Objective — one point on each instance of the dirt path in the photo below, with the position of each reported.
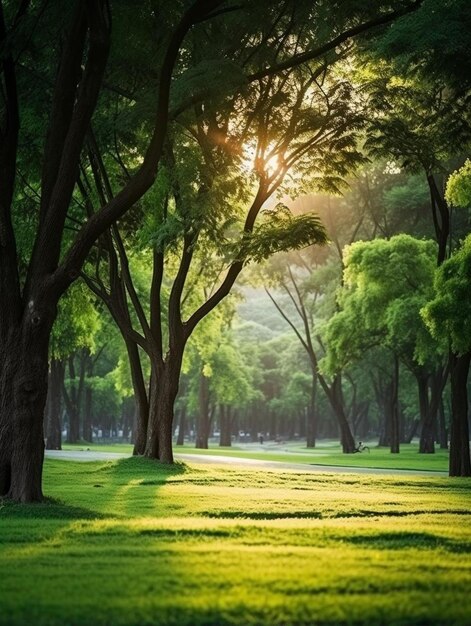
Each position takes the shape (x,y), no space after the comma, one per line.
(90,455)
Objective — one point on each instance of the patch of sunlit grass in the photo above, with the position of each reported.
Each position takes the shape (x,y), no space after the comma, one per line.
(135,542)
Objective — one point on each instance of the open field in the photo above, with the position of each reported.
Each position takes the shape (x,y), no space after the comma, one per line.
(326,453)
(129,542)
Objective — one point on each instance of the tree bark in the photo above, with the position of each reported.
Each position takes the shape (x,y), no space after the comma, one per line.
(164,389)
(460,463)
(23,389)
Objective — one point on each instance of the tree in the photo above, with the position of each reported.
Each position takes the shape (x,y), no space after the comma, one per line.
(74,330)
(29,297)
(385,285)
(448,316)
(304,293)
(29,293)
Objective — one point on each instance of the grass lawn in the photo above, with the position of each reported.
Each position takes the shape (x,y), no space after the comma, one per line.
(326,453)
(130,542)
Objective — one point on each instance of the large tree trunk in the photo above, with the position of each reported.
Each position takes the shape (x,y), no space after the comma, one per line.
(23,388)
(53,422)
(164,389)
(460,464)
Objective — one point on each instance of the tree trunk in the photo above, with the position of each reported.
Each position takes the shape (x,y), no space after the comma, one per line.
(53,422)
(443,433)
(427,445)
(140,398)
(23,387)
(385,427)
(225,438)
(87,427)
(181,427)
(72,399)
(395,435)
(311,422)
(460,464)
(203,424)
(346,437)
(164,389)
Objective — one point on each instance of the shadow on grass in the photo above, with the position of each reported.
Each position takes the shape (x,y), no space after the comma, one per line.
(106,481)
(396,513)
(49,508)
(263,515)
(404,540)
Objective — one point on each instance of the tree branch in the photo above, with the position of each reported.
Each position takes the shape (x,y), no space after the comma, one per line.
(315,53)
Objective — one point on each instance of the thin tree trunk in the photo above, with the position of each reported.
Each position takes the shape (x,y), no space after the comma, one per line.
(426,445)
(53,422)
(226,426)
(87,426)
(87,415)
(442,427)
(395,409)
(181,427)
(311,422)
(460,463)
(140,397)
(72,403)
(203,423)
(338,405)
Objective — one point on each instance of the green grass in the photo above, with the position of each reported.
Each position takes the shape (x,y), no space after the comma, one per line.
(130,542)
(324,454)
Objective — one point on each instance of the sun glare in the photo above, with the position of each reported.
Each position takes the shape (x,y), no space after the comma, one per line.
(253,162)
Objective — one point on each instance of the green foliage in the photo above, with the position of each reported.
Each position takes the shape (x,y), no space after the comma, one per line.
(210,80)
(417,123)
(77,323)
(385,285)
(448,314)
(435,40)
(280,231)
(458,186)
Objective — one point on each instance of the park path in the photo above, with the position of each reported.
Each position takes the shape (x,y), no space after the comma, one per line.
(91,455)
